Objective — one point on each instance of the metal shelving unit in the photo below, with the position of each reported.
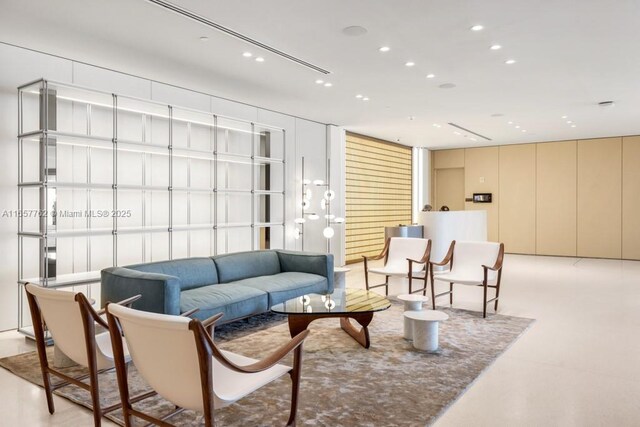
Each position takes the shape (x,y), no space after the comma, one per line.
(106,180)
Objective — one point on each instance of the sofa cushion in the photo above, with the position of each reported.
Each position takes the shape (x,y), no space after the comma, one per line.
(233,300)
(192,272)
(241,265)
(284,286)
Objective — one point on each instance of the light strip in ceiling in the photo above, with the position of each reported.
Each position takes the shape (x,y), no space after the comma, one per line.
(201,19)
(469,131)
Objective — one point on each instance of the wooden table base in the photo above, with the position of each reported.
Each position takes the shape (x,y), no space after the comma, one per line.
(299,322)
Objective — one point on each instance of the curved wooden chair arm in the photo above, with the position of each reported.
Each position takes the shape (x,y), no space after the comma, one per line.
(125,302)
(190,312)
(498,265)
(448,257)
(385,251)
(263,364)
(425,256)
(212,320)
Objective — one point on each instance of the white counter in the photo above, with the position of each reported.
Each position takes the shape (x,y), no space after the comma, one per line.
(443,227)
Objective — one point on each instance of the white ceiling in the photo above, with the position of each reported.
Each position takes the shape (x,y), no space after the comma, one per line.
(571,54)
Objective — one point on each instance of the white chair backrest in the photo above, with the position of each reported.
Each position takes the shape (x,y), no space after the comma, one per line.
(469,257)
(401,248)
(164,351)
(61,313)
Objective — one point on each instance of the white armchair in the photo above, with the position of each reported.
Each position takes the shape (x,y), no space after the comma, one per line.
(474,264)
(178,358)
(71,320)
(403,257)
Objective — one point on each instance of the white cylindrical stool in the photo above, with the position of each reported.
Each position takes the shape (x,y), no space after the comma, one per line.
(425,328)
(412,302)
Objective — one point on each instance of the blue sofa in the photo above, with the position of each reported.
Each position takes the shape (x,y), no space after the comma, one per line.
(238,285)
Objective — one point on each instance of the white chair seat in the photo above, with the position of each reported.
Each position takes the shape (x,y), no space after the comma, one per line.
(461,279)
(389,271)
(104,351)
(231,386)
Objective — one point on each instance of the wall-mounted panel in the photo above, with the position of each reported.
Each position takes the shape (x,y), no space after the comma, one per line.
(600,198)
(481,176)
(444,159)
(517,208)
(556,183)
(631,197)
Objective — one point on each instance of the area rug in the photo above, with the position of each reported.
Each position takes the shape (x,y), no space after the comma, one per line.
(343,384)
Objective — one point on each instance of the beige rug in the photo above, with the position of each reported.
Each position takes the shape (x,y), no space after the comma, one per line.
(343,384)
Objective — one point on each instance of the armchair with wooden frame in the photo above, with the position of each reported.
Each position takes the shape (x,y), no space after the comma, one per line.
(191,371)
(403,257)
(470,263)
(72,321)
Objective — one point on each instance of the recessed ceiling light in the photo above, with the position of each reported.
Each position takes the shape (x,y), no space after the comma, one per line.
(204,38)
(319,81)
(477,28)
(517,127)
(259,59)
(410,64)
(524,130)
(606,104)
(247,54)
(437,125)
(354,30)
(509,123)
(563,117)
(358,96)
(365,99)
(430,76)
(495,47)
(327,84)
(384,49)
(569,122)
(456,132)
(473,139)
(573,126)
(510,61)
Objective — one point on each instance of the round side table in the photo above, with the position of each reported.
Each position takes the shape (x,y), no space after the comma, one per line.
(425,328)
(412,302)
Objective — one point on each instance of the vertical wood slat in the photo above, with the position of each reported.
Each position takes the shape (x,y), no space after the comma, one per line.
(378,181)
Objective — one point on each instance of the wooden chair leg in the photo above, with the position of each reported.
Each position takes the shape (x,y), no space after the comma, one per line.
(410,281)
(451,294)
(386,286)
(38,330)
(484,301)
(495,307)
(295,385)
(433,290)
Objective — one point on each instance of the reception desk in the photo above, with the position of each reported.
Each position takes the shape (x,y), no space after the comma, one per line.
(443,227)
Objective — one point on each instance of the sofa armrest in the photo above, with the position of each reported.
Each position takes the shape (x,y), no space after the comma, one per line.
(308,262)
(160,292)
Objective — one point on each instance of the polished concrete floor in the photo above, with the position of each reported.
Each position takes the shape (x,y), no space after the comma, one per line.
(579,364)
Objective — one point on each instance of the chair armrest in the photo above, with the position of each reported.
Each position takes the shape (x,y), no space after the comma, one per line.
(160,292)
(190,312)
(308,262)
(265,363)
(125,302)
(448,257)
(382,254)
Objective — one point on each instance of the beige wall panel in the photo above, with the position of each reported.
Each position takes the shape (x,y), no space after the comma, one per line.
(556,198)
(443,159)
(631,197)
(517,208)
(450,189)
(600,198)
(481,176)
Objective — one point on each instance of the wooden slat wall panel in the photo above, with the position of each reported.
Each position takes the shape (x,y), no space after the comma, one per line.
(378,175)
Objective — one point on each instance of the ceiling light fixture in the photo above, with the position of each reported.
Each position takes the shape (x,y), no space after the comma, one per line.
(247,54)
(477,28)
(204,38)
(564,117)
(327,84)
(495,47)
(384,49)
(569,122)
(524,130)
(473,139)
(517,127)
(259,59)
(435,125)
(510,61)
(430,76)
(358,96)
(509,123)
(410,64)
(319,81)
(365,99)
(573,126)
(354,31)
(456,132)
(605,104)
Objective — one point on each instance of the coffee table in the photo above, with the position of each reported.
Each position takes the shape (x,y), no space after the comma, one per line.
(345,304)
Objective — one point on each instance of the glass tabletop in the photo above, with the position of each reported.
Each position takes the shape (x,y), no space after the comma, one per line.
(340,301)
